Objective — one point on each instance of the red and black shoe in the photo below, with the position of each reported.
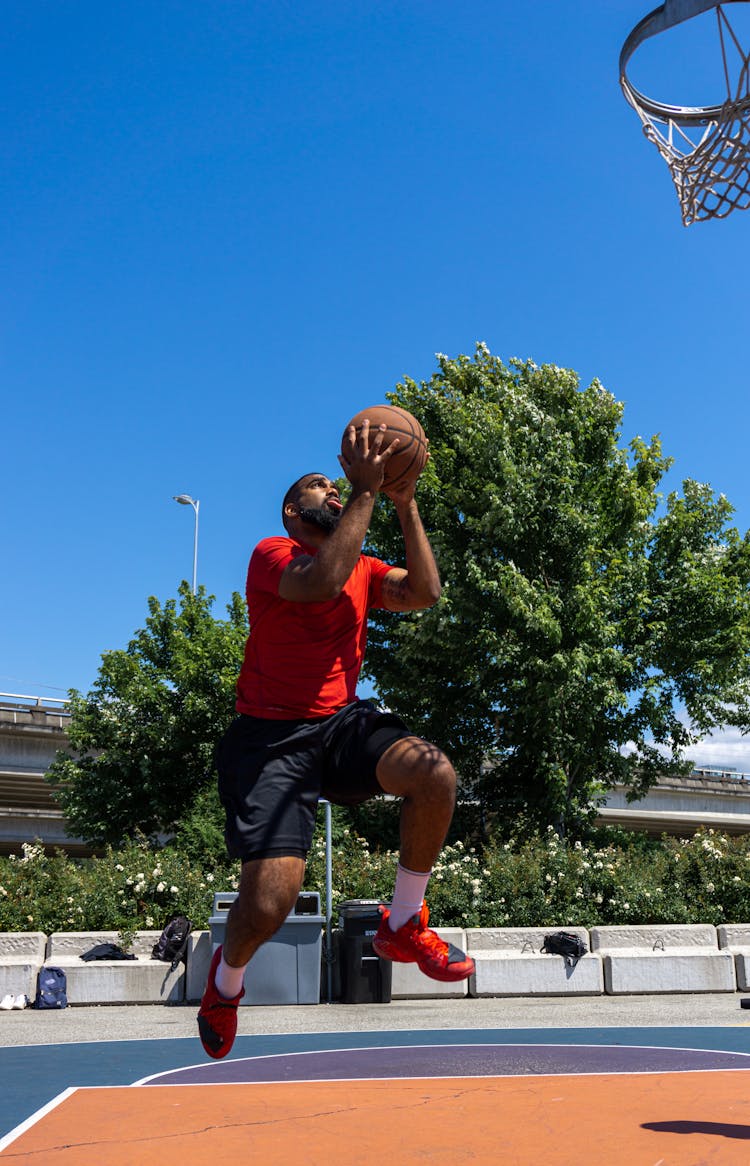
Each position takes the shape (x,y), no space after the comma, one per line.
(414,943)
(217,1017)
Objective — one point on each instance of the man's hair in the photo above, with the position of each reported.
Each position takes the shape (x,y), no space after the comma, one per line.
(291,495)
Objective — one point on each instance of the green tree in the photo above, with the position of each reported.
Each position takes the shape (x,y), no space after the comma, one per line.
(588,631)
(142,741)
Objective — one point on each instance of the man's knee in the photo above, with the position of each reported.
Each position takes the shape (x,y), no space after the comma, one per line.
(415,768)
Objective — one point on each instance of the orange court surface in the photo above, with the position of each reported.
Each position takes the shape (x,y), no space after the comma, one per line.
(638,1119)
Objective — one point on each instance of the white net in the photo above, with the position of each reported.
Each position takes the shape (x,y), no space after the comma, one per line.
(707,150)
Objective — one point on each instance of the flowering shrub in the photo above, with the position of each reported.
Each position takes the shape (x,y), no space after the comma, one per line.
(542,882)
(127,890)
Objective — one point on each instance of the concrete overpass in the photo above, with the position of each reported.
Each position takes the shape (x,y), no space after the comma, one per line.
(33,728)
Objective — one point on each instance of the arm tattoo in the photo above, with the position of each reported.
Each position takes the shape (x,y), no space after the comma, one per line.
(395,594)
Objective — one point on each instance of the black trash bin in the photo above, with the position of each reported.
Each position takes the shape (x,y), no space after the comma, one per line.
(365,977)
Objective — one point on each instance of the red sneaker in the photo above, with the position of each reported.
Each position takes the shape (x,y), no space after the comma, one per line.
(414,943)
(217,1017)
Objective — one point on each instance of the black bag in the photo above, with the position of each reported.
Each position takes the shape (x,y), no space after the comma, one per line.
(564,943)
(171,946)
(105,951)
(51,988)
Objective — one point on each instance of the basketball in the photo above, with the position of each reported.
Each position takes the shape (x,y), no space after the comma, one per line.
(409,459)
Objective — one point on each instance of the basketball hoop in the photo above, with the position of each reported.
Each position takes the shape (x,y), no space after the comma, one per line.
(707,148)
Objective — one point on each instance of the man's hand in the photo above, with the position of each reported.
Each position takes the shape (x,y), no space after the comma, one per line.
(363,459)
(403,494)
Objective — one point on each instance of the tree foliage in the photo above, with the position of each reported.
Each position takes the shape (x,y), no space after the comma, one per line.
(142,741)
(589,630)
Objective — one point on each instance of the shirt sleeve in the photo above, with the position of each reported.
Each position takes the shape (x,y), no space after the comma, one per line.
(267,563)
(378,572)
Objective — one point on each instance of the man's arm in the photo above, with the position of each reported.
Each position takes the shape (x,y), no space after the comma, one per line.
(418,586)
(315,578)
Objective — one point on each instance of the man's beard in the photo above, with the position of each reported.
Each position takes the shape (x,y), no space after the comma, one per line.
(322,517)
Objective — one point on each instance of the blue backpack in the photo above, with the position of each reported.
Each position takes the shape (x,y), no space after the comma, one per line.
(51,988)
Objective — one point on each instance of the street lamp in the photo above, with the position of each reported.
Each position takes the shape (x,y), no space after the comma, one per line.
(186,500)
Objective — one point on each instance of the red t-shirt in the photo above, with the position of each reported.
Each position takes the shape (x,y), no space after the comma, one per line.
(303,659)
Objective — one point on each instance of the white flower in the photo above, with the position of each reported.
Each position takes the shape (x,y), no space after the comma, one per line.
(149,921)
(626,906)
(160,887)
(119,866)
(174,890)
(30,918)
(156,872)
(710,888)
(209,878)
(140,876)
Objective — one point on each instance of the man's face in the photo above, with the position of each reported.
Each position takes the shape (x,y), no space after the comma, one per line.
(318,502)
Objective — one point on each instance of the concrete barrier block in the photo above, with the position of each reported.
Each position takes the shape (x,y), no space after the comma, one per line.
(654,937)
(521,940)
(66,944)
(18,975)
(669,957)
(409,983)
(676,970)
(30,945)
(21,956)
(200,950)
(503,973)
(510,962)
(735,937)
(139,981)
(742,969)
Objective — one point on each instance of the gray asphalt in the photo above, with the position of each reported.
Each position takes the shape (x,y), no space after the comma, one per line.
(159,1021)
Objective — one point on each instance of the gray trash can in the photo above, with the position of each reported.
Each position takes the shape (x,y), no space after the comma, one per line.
(365,977)
(286,969)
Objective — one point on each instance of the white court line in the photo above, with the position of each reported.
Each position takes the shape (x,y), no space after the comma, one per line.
(482,1045)
(35,1117)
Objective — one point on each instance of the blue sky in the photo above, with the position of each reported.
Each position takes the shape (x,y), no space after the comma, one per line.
(227,227)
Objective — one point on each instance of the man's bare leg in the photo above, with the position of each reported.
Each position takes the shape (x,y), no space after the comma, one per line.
(424,778)
(268,891)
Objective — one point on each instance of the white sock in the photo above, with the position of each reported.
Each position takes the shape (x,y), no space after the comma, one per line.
(228,979)
(408,895)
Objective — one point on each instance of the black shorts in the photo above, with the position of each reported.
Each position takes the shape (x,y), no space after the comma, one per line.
(271,774)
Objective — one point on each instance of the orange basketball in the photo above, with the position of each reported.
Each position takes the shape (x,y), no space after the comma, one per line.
(409,459)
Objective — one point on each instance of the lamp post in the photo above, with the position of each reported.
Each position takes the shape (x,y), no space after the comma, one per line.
(186,500)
